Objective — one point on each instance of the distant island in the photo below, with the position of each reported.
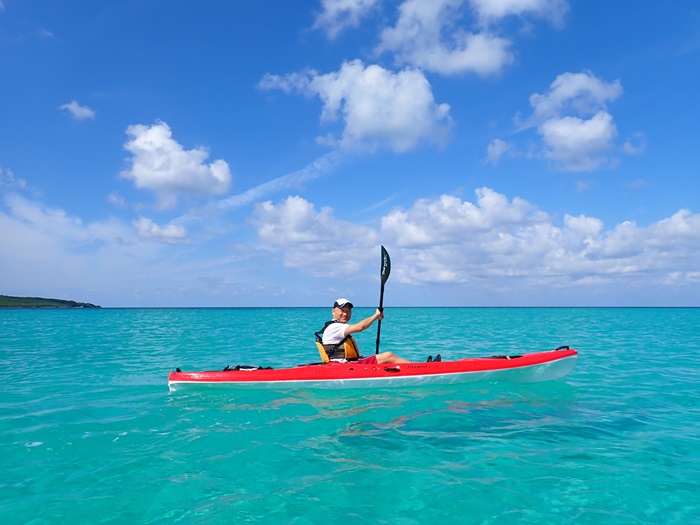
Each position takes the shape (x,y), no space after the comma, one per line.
(7,301)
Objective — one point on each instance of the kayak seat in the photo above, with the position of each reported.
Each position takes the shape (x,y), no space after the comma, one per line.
(322,351)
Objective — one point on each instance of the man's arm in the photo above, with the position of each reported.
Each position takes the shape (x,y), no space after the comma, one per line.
(364,324)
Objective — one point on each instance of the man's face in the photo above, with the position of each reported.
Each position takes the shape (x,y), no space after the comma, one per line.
(342,314)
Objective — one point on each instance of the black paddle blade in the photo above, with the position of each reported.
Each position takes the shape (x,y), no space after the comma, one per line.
(386,270)
(386,265)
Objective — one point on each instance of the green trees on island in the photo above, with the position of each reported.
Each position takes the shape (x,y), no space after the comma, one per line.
(7,301)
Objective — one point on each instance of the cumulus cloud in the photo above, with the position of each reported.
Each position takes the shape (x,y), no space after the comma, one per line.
(493,243)
(77,111)
(434,36)
(380,109)
(310,237)
(576,131)
(336,15)
(170,234)
(579,144)
(160,164)
(495,240)
(439,221)
(295,220)
(572,119)
(426,35)
(574,93)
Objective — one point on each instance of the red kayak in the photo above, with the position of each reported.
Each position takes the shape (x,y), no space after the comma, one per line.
(526,368)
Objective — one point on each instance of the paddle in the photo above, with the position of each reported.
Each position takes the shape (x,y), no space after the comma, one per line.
(386,270)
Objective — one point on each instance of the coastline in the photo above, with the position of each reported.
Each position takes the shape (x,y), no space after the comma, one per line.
(9,301)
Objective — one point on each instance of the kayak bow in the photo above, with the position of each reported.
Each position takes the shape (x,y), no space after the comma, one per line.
(526,368)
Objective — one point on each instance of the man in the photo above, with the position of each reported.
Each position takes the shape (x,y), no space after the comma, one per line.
(337,341)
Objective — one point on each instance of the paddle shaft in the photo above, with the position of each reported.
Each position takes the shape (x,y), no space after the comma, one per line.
(385,271)
(379,323)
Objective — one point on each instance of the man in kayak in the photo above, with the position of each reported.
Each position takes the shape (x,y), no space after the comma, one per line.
(337,341)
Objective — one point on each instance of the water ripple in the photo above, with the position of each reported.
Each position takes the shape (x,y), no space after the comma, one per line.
(90,433)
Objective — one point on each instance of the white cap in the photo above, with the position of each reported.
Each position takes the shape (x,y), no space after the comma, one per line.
(339,303)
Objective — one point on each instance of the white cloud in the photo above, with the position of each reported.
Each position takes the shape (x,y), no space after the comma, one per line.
(439,221)
(337,15)
(634,145)
(426,35)
(433,36)
(310,237)
(577,144)
(681,230)
(574,93)
(8,179)
(56,222)
(170,234)
(295,221)
(55,254)
(576,130)
(77,111)
(109,262)
(495,242)
(116,199)
(496,149)
(290,82)
(380,109)
(493,10)
(493,245)
(162,165)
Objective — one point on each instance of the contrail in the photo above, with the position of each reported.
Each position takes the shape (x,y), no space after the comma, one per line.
(319,167)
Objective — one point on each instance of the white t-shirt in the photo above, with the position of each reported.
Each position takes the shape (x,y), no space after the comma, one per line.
(334,334)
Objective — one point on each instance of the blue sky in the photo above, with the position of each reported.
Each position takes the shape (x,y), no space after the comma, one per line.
(506,152)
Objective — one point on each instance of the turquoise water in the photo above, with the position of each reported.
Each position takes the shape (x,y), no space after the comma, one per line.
(90,433)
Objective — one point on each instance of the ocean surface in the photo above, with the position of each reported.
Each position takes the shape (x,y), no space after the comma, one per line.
(89,432)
